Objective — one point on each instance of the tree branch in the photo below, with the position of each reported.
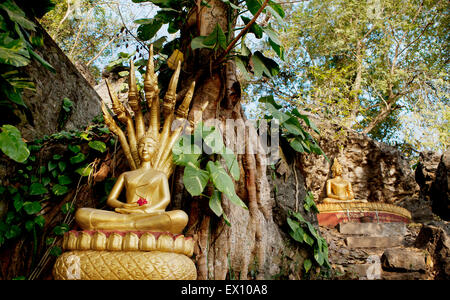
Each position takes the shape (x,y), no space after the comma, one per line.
(243,31)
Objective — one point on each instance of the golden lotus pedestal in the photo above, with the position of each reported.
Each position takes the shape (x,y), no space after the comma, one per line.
(331,214)
(137,255)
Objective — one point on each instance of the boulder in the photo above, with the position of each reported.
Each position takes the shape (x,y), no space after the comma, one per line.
(440,190)
(435,240)
(404,259)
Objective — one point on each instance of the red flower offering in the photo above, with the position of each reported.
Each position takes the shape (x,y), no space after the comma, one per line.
(142,201)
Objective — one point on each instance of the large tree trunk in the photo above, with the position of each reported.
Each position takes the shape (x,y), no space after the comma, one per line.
(254,244)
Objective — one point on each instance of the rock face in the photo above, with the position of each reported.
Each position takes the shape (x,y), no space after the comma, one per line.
(377,171)
(435,240)
(440,189)
(45,103)
(408,259)
(425,173)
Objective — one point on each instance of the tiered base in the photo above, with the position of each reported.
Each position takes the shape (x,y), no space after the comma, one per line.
(335,213)
(123,265)
(125,255)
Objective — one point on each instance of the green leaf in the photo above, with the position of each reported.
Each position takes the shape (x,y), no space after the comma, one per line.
(195,179)
(12,232)
(307,265)
(183,155)
(98,145)
(12,145)
(51,165)
(67,207)
(18,203)
(148,30)
(297,145)
(253,5)
(62,165)
(13,52)
(294,127)
(56,251)
(17,15)
(318,256)
(45,181)
(231,163)
(277,10)
(214,140)
(77,158)
(29,225)
(241,64)
(59,189)
(57,157)
(74,148)
(32,208)
(279,50)
(263,65)
(61,229)
(223,182)
(37,189)
(64,180)
(214,40)
(40,221)
(42,61)
(84,171)
(308,239)
(254,28)
(215,203)
(231,4)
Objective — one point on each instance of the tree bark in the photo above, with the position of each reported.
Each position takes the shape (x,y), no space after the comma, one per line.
(249,247)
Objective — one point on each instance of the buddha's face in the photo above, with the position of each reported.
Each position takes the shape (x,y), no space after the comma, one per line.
(146,149)
(337,171)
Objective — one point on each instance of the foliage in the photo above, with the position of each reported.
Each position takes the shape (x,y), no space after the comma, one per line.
(370,65)
(174,13)
(35,184)
(292,130)
(195,151)
(304,232)
(18,39)
(86,30)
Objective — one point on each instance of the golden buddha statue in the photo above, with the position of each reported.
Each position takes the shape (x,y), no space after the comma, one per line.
(338,189)
(147,188)
(139,239)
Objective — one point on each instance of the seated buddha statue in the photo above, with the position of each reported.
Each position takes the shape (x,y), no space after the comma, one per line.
(147,188)
(147,196)
(338,189)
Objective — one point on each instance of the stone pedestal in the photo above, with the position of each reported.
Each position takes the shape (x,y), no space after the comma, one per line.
(125,255)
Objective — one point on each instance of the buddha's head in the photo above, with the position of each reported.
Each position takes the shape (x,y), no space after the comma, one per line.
(147,147)
(336,168)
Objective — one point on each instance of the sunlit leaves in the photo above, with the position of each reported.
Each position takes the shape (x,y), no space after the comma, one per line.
(12,145)
(214,40)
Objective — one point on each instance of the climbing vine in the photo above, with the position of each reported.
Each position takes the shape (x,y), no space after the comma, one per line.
(18,39)
(301,141)
(35,184)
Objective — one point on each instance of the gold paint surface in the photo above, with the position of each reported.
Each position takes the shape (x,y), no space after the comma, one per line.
(123,265)
(146,185)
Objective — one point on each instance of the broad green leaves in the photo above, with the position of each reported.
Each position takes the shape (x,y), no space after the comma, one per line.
(299,139)
(304,232)
(195,179)
(12,145)
(187,152)
(215,40)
